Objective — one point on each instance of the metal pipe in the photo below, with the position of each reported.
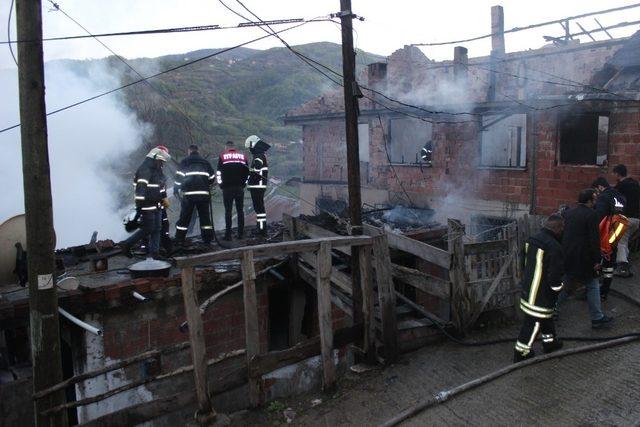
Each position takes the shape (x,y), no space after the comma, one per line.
(138,296)
(79,322)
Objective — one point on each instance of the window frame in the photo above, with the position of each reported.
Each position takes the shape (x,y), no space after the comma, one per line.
(523,157)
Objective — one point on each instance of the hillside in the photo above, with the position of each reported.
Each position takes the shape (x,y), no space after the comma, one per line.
(230,96)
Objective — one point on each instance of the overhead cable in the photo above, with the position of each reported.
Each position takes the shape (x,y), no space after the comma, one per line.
(169,70)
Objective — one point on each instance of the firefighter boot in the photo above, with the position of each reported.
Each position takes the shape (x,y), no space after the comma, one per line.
(551,346)
(518,357)
(227,235)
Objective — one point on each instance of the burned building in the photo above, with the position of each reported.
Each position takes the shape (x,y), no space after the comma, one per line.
(510,134)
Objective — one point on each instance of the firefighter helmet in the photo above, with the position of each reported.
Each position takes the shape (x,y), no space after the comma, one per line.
(160,153)
(252,141)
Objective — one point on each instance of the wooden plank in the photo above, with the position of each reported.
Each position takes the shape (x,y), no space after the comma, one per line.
(491,290)
(251,325)
(422,281)
(198,349)
(461,302)
(341,301)
(366,286)
(305,228)
(272,249)
(420,309)
(340,279)
(386,298)
(323,278)
(268,362)
(482,247)
(424,251)
(112,367)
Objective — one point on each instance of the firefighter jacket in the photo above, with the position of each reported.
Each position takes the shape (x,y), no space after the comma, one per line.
(233,169)
(150,185)
(543,271)
(195,177)
(259,172)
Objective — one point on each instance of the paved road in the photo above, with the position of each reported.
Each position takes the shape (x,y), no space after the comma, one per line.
(598,388)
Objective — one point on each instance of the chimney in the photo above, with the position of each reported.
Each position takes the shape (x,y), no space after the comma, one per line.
(497,31)
(460,63)
(377,77)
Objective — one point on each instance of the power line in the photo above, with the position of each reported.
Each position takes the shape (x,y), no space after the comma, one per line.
(169,70)
(9,33)
(152,86)
(528,27)
(197,28)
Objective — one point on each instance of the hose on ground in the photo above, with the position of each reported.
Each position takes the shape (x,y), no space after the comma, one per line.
(445,395)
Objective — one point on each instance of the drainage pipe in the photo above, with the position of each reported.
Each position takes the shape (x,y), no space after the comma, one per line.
(79,322)
(138,296)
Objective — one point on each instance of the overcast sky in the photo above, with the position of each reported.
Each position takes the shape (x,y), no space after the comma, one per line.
(388,25)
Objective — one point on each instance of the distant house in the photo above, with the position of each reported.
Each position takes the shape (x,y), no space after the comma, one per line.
(523,132)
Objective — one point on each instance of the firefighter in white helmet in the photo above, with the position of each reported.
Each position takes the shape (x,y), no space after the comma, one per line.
(258,177)
(150,199)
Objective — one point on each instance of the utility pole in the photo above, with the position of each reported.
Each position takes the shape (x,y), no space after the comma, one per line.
(43,300)
(351,113)
(353,153)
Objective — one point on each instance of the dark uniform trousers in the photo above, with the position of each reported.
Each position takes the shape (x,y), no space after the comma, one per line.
(229,196)
(257,197)
(531,328)
(607,273)
(188,205)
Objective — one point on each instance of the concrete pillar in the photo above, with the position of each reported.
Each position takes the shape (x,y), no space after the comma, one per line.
(497,31)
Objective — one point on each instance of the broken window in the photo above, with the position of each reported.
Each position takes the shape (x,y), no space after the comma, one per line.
(406,139)
(363,142)
(503,141)
(584,139)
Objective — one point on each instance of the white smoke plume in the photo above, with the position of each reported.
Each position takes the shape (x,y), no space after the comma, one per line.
(85,144)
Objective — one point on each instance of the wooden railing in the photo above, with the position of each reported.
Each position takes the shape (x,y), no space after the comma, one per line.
(259,363)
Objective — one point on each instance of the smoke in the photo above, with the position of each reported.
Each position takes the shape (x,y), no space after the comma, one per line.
(89,147)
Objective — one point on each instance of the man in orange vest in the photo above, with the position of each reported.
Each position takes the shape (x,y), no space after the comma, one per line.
(609,207)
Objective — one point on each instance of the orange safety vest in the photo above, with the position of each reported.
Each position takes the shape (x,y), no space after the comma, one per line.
(612,228)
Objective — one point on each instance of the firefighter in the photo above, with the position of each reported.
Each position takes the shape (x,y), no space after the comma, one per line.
(193,182)
(541,283)
(258,177)
(613,225)
(231,175)
(426,154)
(150,199)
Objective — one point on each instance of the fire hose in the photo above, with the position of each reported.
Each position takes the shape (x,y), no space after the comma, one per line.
(445,395)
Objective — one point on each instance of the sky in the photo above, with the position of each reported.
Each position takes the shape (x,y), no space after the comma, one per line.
(387,26)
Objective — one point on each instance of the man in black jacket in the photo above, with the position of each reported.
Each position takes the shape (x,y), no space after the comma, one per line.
(541,283)
(258,178)
(608,203)
(231,175)
(581,246)
(630,189)
(193,182)
(150,198)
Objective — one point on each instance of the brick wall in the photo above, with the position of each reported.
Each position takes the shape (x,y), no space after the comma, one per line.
(455,173)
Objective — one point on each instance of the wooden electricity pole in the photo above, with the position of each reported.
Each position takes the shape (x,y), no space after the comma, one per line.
(351,113)
(43,300)
(353,152)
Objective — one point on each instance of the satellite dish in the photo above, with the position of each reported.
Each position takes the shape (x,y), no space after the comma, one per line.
(12,231)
